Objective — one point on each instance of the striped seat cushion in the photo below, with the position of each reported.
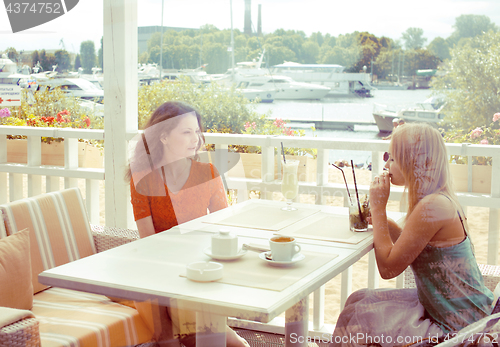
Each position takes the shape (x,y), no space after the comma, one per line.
(59,229)
(71,318)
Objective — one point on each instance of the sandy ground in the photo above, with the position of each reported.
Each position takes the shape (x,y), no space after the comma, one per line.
(477,220)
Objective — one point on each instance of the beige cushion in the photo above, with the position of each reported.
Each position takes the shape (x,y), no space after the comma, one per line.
(16,289)
(59,229)
(67,316)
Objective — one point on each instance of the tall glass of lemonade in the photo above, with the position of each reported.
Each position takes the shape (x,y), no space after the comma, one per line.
(290,183)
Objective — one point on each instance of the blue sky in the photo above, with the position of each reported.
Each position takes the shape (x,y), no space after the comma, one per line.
(382,18)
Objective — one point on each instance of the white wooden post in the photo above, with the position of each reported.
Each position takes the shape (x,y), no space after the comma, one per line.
(3,175)
(70,160)
(494,220)
(267,166)
(120,113)
(321,174)
(34,159)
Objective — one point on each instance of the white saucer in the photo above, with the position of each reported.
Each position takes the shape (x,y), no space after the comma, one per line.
(296,258)
(208,251)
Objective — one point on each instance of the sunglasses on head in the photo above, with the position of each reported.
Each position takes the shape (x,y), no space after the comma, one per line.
(386,156)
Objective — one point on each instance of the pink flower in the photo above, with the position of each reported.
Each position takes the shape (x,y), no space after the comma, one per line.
(254,125)
(496,116)
(4,112)
(279,123)
(484,142)
(247,125)
(476,133)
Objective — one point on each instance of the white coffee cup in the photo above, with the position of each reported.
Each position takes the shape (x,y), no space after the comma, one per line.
(283,248)
(224,243)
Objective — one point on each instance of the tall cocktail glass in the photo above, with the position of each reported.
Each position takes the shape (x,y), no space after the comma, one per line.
(290,183)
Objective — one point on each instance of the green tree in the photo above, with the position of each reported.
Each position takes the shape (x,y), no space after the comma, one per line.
(222,110)
(12,54)
(63,60)
(471,82)
(217,57)
(78,63)
(318,38)
(413,38)
(420,59)
(439,47)
(470,25)
(278,54)
(100,55)
(35,58)
(87,56)
(339,55)
(311,52)
(347,40)
(369,49)
(47,61)
(329,40)
(386,64)
(143,58)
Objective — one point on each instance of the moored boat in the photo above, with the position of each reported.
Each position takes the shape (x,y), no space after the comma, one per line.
(266,96)
(329,75)
(284,87)
(429,111)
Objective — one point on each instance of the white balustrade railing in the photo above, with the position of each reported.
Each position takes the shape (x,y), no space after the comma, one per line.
(266,184)
(31,173)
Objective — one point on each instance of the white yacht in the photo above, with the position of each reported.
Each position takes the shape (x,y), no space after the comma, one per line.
(429,111)
(266,96)
(285,87)
(9,74)
(77,87)
(330,75)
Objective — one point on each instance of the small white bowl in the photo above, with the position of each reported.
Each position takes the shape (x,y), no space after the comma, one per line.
(204,271)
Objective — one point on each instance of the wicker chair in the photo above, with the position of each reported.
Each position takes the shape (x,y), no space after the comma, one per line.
(491,276)
(25,332)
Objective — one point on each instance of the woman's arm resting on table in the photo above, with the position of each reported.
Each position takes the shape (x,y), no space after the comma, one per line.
(145,226)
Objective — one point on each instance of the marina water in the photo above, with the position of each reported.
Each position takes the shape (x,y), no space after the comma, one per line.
(344,109)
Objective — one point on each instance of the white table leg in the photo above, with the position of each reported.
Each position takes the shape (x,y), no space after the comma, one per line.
(210,329)
(297,324)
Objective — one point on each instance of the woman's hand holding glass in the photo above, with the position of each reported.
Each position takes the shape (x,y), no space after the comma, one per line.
(380,189)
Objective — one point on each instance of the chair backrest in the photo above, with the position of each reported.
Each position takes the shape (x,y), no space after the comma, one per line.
(59,229)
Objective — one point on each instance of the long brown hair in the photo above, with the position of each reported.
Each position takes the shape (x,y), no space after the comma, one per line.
(162,121)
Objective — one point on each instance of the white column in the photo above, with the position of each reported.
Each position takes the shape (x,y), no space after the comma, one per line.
(34,159)
(297,324)
(120,112)
(210,329)
(70,160)
(494,221)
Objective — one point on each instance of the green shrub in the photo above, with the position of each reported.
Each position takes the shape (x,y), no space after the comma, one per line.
(222,110)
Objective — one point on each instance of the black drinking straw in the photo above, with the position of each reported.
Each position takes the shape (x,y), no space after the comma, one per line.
(346,186)
(356,188)
(283,152)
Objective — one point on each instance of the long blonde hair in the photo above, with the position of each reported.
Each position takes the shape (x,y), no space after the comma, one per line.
(420,152)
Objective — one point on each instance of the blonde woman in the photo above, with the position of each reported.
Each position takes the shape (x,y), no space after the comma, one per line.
(433,241)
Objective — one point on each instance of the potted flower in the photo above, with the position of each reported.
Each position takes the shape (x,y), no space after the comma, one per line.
(481,168)
(52,109)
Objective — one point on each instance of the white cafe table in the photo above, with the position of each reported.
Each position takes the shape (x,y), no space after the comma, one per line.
(153,268)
